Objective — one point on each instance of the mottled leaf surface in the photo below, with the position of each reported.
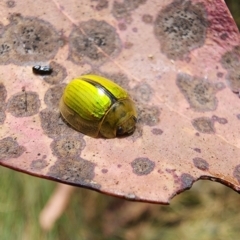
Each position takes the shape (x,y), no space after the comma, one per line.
(179,60)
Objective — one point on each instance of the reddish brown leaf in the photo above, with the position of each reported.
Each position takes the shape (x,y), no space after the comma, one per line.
(180,61)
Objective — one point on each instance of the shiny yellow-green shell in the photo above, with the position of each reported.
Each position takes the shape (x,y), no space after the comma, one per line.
(97,106)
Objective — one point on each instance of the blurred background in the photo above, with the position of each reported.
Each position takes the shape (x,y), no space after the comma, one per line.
(208,211)
(234,7)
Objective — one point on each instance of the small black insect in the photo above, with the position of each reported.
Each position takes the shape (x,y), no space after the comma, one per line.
(42,70)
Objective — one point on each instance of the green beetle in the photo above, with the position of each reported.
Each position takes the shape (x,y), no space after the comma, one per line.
(97,106)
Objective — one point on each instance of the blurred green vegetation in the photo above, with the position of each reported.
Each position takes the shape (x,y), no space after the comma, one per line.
(208,211)
(234,7)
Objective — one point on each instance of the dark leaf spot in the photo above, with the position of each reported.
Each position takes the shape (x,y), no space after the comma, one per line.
(67,147)
(148,115)
(147,18)
(181,27)
(219,119)
(23,104)
(3,96)
(104,170)
(9,148)
(231,62)
(186,181)
(11,4)
(236,173)
(157,131)
(54,125)
(199,93)
(219,74)
(58,74)
(53,96)
(122,10)
(38,164)
(142,166)
(200,163)
(75,171)
(24,41)
(204,125)
(98,35)
(197,150)
(142,93)
(101,4)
